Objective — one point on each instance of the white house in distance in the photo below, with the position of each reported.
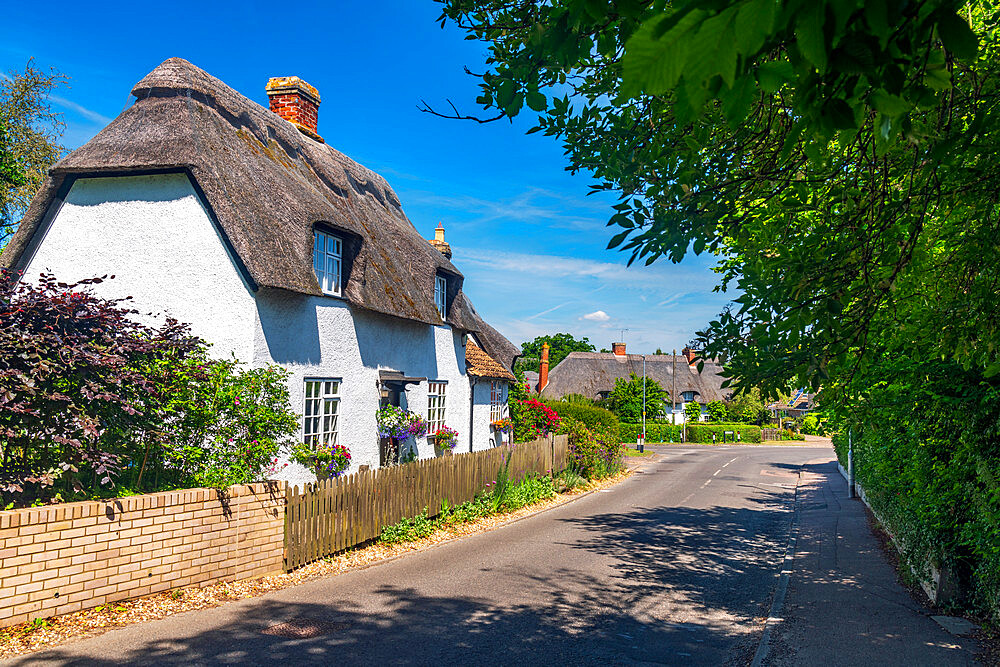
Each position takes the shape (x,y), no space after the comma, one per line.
(274,247)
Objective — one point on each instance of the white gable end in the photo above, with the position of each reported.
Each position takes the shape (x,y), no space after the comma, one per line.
(155,236)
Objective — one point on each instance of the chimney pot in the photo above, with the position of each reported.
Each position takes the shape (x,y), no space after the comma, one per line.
(296,101)
(618,348)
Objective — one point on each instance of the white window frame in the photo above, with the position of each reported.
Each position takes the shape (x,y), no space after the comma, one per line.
(497,403)
(441,295)
(321,411)
(328,261)
(436,394)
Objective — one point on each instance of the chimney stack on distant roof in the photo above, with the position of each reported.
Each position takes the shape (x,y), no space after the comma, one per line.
(691,355)
(439,243)
(618,348)
(296,101)
(543,368)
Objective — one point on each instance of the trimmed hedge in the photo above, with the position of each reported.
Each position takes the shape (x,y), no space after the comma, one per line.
(702,433)
(593,417)
(654,432)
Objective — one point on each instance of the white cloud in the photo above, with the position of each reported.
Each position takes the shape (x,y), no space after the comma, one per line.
(535,206)
(597,316)
(92,116)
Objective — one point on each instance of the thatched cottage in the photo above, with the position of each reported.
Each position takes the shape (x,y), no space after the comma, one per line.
(243,222)
(593,374)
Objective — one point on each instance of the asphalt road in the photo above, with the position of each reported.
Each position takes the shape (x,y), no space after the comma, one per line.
(677,564)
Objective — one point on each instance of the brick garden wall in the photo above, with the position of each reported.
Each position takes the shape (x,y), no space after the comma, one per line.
(61,559)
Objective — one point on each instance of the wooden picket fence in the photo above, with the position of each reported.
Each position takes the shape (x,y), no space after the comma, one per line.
(336,514)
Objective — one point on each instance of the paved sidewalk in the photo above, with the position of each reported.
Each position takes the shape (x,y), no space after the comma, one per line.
(844,605)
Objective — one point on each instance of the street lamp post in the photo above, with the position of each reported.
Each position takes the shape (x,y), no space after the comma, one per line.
(644,399)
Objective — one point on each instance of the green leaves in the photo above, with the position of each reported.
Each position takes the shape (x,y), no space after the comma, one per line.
(809,37)
(957,36)
(773,75)
(834,153)
(655,56)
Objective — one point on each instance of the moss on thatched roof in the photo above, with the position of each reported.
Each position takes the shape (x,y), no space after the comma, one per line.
(267,185)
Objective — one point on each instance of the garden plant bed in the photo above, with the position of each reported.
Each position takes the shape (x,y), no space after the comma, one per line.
(41,635)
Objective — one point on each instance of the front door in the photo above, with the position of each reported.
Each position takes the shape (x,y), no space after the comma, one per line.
(388,448)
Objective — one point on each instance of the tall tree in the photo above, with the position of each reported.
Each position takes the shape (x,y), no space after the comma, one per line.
(30,131)
(626,399)
(560,345)
(837,154)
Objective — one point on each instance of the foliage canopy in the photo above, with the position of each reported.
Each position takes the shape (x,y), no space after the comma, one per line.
(29,140)
(837,154)
(626,399)
(560,345)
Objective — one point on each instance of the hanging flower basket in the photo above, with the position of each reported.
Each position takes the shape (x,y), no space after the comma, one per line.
(325,461)
(503,425)
(395,422)
(445,439)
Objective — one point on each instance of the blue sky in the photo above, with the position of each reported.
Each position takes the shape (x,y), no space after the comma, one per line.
(529,241)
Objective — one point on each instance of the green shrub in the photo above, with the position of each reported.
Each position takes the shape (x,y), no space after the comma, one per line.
(702,433)
(692,411)
(594,455)
(408,530)
(927,452)
(529,490)
(655,432)
(717,411)
(811,424)
(94,404)
(569,479)
(593,417)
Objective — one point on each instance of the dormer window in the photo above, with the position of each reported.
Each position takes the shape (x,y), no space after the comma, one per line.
(441,295)
(688,396)
(328,256)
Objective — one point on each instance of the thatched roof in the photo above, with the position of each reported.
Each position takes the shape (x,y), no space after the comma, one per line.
(480,364)
(593,374)
(267,185)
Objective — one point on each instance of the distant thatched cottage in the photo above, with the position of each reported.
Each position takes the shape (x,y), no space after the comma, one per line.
(593,374)
(276,248)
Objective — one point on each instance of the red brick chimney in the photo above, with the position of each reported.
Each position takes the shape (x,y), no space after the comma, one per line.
(690,355)
(618,348)
(543,368)
(296,101)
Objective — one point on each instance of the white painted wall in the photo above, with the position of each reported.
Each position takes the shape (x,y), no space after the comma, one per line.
(483,435)
(155,236)
(324,337)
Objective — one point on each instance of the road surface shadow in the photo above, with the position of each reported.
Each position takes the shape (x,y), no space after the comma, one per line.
(671,584)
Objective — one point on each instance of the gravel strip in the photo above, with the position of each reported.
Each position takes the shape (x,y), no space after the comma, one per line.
(31,637)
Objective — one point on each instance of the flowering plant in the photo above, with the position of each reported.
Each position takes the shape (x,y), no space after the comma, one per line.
(537,420)
(395,422)
(324,460)
(503,425)
(446,437)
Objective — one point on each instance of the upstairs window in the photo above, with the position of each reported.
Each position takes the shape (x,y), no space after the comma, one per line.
(687,396)
(441,295)
(435,405)
(328,254)
(320,412)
